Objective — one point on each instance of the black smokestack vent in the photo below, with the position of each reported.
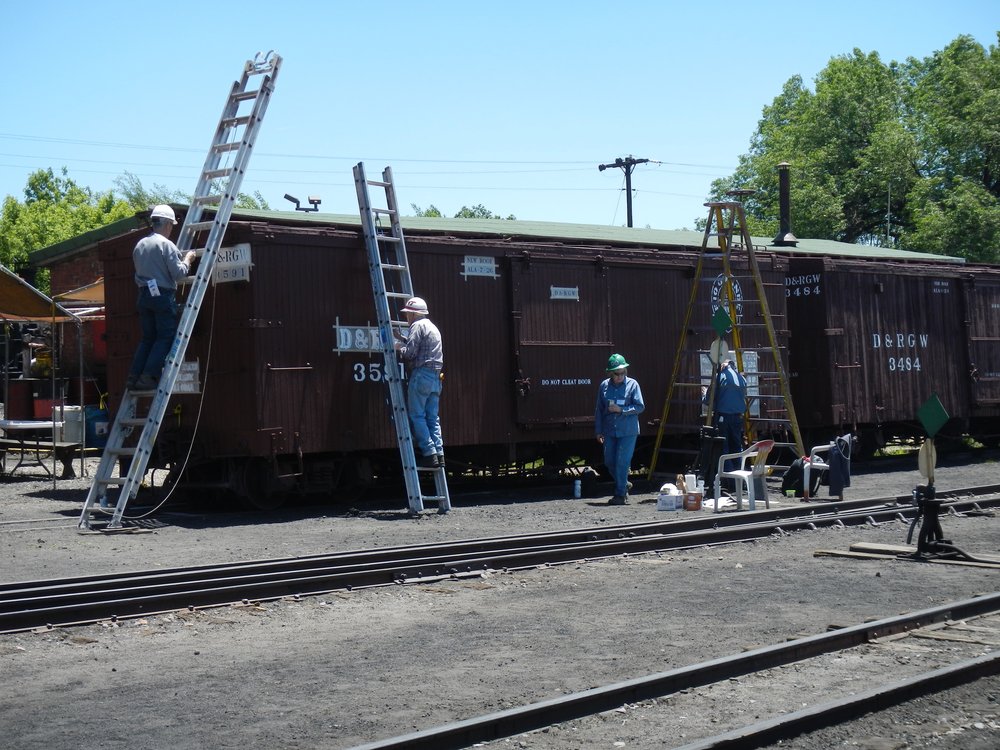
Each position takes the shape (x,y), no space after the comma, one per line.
(785,238)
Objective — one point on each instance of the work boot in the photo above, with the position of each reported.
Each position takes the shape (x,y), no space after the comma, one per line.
(130,383)
(618,500)
(440,457)
(146,383)
(427,462)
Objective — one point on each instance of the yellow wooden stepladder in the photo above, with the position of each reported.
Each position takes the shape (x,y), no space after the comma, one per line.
(726,221)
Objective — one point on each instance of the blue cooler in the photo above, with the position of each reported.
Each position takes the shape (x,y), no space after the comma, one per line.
(98,424)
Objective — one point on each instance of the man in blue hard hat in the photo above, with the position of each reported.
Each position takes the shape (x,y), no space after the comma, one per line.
(616,422)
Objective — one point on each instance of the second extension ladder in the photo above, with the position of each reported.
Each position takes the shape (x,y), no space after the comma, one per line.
(218,186)
(728,220)
(392,286)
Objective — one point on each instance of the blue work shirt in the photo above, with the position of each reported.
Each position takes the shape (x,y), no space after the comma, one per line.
(731,397)
(627,395)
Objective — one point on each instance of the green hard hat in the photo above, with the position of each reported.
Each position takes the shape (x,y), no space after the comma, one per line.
(616,362)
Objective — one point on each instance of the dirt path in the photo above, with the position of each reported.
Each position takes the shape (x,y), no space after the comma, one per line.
(338,670)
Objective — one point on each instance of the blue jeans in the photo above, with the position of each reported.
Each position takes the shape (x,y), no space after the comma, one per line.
(423,399)
(730,427)
(158,318)
(618,459)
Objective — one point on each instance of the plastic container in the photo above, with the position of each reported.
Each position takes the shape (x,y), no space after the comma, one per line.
(667,501)
(692,501)
(97,423)
(577,488)
(72,427)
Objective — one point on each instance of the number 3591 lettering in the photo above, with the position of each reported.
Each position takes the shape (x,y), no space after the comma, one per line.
(372,371)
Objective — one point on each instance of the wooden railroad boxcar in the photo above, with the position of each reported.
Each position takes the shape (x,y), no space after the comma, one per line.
(873,340)
(289,382)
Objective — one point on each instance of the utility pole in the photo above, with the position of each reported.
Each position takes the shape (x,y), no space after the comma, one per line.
(626,165)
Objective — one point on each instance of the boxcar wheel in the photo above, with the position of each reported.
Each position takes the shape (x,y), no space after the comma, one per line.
(258,487)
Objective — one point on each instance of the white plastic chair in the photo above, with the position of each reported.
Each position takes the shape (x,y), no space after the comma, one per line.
(752,478)
(815,463)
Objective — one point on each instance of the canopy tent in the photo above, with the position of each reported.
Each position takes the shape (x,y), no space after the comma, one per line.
(86,303)
(21,302)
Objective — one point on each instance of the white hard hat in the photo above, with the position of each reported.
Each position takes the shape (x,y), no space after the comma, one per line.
(164,211)
(416,305)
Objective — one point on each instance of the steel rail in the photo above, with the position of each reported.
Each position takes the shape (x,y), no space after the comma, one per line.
(788,726)
(34,604)
(538,715)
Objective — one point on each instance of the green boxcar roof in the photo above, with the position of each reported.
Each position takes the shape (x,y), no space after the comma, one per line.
(524,230)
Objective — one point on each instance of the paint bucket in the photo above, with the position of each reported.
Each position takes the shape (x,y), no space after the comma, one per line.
(692,501)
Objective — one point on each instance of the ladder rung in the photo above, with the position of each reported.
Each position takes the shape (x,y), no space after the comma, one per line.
(242,96)
(232,122)
(220,147)
(392,267)
(133,421)
(387,238)
(398,295)
(201,226)
(434,498)
(378,183)
(123,451)
(386,211)
(213,174)
(114,480)
(206,200)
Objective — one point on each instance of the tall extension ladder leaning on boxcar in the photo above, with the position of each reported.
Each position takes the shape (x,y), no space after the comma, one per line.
(218,186)
(391,284)
(727,218)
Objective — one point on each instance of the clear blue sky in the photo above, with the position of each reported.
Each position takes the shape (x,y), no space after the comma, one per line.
(509,104)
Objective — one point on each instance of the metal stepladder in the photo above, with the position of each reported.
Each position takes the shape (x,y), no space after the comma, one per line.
(392,286)
(218,186)
(735,247)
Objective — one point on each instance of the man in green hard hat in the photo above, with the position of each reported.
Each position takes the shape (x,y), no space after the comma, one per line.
(616,421)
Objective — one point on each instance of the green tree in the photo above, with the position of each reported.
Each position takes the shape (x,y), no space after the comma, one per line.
(478,211)
(899,155)
(141,198)
(954,204)
(55,208)
(431,212)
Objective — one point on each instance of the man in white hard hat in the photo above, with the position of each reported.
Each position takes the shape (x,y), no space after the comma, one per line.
(422,351)
(158,268)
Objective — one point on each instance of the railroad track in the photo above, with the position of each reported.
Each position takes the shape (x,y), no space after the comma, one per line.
(71,601)
(738,682)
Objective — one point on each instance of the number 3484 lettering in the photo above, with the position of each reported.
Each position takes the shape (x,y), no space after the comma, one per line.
(904,364)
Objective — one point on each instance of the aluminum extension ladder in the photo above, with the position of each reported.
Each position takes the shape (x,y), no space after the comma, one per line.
(728,219)
(392,286)
(218,186)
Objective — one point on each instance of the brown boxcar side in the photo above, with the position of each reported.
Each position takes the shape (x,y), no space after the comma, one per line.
(872,341)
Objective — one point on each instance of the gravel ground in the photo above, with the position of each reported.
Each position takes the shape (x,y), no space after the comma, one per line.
(338,670)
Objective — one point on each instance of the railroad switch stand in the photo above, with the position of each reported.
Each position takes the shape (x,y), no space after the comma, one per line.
(931,537)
